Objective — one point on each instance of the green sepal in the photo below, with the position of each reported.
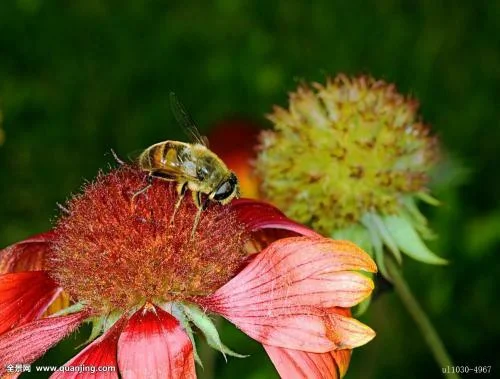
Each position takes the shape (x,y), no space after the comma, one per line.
(362,307)
(177,311)
(68,310)
(378,248)
(426,198)
(409,241)
(376,224)
(97,329)
(357,234)
(416,218)
(111,318)
(205,324)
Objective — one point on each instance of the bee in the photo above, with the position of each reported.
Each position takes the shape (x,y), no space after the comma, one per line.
(192,166)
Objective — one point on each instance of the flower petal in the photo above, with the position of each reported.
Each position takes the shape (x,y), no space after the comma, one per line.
(296,364)
(24,296)
(298,328)
(27,255)
(348,332)
(297,271)
(28,342)
(258,215)
(101,354)
(283,296)
(342,358)
(154,345)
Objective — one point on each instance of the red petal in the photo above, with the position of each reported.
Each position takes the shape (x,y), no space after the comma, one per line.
(278,298)
(257,215)
(100,354)
(27,255)
(296,364)
(154,345)
(28,342)
(24,297)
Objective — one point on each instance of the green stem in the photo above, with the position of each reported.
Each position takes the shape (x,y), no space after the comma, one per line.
(426,328)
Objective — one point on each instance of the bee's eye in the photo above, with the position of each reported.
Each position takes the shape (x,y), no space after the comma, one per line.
(226,188)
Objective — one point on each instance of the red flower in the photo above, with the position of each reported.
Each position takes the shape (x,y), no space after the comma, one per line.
(142,281)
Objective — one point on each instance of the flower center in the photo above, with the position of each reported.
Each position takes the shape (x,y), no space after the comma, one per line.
(114,251)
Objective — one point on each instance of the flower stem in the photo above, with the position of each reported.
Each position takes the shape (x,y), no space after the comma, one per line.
(426,328)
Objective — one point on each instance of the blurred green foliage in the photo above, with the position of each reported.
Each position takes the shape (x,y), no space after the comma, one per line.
(79,78)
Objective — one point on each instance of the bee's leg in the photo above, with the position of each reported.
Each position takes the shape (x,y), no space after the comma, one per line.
(118,160)
(149,179)
(201,205)
(63,208)
(181,191)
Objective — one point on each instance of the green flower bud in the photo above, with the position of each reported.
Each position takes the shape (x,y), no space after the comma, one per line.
(349,159)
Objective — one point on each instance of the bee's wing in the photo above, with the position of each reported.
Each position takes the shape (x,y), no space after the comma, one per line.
(174,171)
(186,121)
(174,167)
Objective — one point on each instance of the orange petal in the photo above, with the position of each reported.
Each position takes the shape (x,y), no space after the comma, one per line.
(347,332)
(61,302)
(27,255)
(342,358)
(24,297)
(154,345)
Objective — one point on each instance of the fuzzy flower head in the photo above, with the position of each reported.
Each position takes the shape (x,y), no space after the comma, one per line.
(116,261)
(340,150)
(351,159)
(114,254)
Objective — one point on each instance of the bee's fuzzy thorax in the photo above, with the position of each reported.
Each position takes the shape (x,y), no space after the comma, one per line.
(115,253)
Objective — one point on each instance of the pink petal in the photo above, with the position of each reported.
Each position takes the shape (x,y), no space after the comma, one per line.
(296,364)
(154,345)
(257,215)
(24,297)
(28,342)
(294,328)
(299,271)
(27,255)
(343,356)
(278,299)
(100,354)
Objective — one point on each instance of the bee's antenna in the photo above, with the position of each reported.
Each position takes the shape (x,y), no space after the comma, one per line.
(116,158)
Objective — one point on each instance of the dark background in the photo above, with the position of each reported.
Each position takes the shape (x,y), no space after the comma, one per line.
(79,79)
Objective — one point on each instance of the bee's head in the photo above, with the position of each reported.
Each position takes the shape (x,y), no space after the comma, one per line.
(227,190)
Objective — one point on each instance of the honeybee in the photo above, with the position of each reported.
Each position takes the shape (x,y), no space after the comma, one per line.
(192,165)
